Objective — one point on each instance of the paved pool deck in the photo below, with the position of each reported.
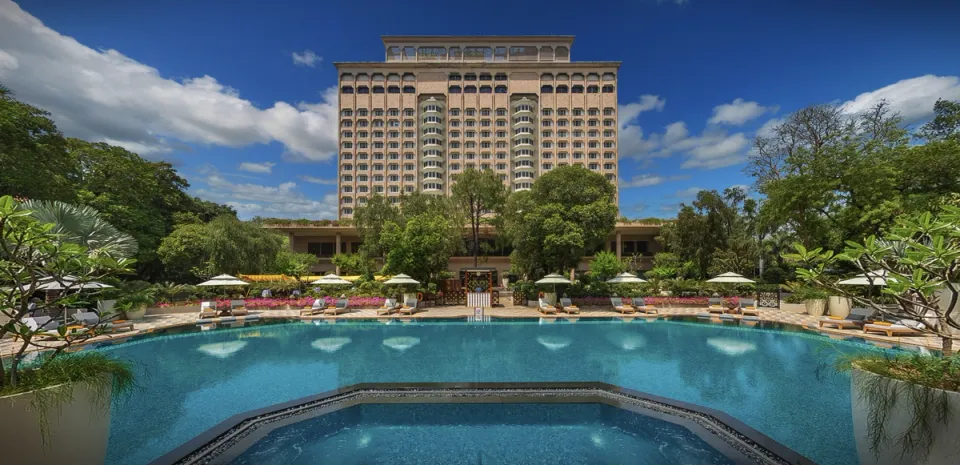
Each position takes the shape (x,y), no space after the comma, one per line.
(155,322)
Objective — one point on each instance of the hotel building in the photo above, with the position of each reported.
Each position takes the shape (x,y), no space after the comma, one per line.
(438,105)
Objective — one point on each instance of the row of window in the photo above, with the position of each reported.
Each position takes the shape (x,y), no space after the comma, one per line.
(591,77)
(378,77)
(577,133)
(578,89)
(578,144)
(478,53)
(378,156)
(376,167)
(518,153)
(453,167)
(473,89)
(379,89)
(377,134)
(433,108)
(474,77)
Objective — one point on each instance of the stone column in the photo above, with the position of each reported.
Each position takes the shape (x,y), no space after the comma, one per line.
(619,245)
(336,250)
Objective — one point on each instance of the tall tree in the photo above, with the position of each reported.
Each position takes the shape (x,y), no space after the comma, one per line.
(422,246)
(33,153)
(482,196)
(945,123)
(568,212)
(224,245)
(84,226)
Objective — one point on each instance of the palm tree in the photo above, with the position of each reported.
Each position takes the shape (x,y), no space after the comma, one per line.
(83,225)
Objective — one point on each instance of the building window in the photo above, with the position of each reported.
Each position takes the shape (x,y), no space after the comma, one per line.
(546,89)
(500,77)
(578,89)
(454,77)
(363,90)
(485,77)
(470,77)
(486,90)
(501,89)
(470,89)
(454,89)
(346,89)
(593,89)
(324,249)
(390,89)
(563,89)
(608,89)
(409,90)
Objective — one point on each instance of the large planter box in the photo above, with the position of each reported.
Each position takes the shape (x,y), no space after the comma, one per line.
(839,306)
(944,449)
(76,432)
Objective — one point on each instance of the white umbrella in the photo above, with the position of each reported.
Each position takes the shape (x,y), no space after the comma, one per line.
(730,278)
(401,279)
(224,280)
(626,278)
(554,279)
(331,280)
(872,278)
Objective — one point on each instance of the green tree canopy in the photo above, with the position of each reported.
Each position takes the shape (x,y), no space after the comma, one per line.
(224,245)
(569,211)
(84,226)
(482,196)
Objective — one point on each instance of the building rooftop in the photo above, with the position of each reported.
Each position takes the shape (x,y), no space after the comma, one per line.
(446,39)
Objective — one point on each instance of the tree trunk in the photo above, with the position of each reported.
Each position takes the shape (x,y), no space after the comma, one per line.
(947,346)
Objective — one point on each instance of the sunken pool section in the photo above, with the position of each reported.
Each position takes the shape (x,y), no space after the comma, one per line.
(483,423)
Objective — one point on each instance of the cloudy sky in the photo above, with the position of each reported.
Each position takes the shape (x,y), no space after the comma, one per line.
(239,94)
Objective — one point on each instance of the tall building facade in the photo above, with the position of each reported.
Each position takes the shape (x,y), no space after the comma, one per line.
(438,105)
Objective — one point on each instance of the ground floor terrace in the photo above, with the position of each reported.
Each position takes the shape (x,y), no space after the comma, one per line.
(159,319)
(634,242)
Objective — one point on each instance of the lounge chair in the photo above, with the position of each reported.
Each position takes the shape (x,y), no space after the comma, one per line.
(91,319)
(42,323)
(749,307)
(340,307)
(568,306)
(238,307)
(715,305)
(409,306)
(317,307)
(857,318)
(646,308)
(207,310)
(546,307)
(899,328)
(388,307)
(619,306)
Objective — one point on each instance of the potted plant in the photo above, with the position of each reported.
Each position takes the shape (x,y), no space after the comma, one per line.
(49,400)
(839,306)
(814,300)
(134,302)
(905,407)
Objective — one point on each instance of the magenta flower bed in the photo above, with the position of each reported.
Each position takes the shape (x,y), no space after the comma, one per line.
(275,303)
(655,301)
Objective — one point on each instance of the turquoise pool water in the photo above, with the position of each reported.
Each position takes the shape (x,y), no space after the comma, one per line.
(490,434)
(765,378)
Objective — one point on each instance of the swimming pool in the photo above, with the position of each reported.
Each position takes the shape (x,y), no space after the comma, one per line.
(765,378)
(489,434)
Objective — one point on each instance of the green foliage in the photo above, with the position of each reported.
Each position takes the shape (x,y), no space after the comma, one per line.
(668,265)
(33,153)
(83,225)
(606,265)
(421,247)
(718,233)
(292,263)
(481,196)
(301,221)
(568,212)
(945,123)
(224,245)
(31,254)
(137,295)
(354,264)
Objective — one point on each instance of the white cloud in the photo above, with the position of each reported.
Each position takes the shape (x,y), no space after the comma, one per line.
(738,112)
(743,187)
(250,167)
(629,112)
(631,139)
(688,192)
(316,180)
(306,58)
(282,201)
(647,180)
(716,150)
(103,95)
(913,98)
(766,130)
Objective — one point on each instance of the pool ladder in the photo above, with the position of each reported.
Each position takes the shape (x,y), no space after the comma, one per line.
(483,319)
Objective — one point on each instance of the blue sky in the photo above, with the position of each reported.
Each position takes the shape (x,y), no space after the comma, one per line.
(238,93)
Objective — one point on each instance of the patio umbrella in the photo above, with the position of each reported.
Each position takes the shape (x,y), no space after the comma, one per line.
(224,280)
(331,280)
(874,278)
(626,278)
(554,279)
(401,279)
(730,278)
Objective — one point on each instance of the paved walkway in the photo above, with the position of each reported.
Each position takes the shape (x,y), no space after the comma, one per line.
(155,322)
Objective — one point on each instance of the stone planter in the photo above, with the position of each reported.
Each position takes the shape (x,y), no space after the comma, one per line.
(943,450)
(815,307)
(839,306)
(136,314)
(77,431)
